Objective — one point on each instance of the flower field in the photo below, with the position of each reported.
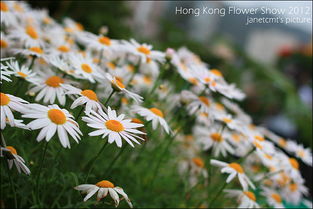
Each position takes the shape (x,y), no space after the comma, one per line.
(89,121)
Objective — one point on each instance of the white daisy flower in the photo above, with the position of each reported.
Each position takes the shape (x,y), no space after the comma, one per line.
(5,44)
(50,120)
(305,154)
(31,51)
(234,169)
(201,104)
(23,72)
(246,199)
(8,103)
(195,167)
(104,188)
(86,97)
(231,123)
(150,68)
(143,51)
(99,42)
(291,165)
(294,192)
(118,86)
(17,160)
(212,137)
(7,16)
(113,126)
(273,198)
(63,65)
(153,114)
(28,35)
(85,67)
(50,87)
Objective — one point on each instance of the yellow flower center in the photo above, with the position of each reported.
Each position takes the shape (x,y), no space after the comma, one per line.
(69,30)
(124,100)
(204,100)
(276,197)
(4,99)
(54,81)
(105,184)
(250,195)
(144,50)
(294,163)
(236,137)
(47,20)
(236,167)
(268,156)
(193,81)
(257,144)
(3,44)
(105,40)
(219,106)
(204,114)
(86,68)
(42,61)
(3,7)
(36,50)
(95,60)
(147,80)
(130,68)
(282,142)
(22,74)
(79,26)
(283,180)
(111,65)
(260,138)
(157,112)
(207,80)
(90,94)
(119,83)
(251,126)
(216,137)
(57,116)
(31,32)
(293,187)
(198,161)
(12,149)
(301,153)
(136,120)
(216,72)
(18,7)
(255,168)
(114,125)
(63,48)
(227,120)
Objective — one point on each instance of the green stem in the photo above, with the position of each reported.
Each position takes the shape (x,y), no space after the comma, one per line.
(12,185)
(40,168)
(108,170)
(20,83)
(156,170)
(217,194)
(80,112)
(269,175)
(93,162)
(100,56)
(32,62)
(108,99)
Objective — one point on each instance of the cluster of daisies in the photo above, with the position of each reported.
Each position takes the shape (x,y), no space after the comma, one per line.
(117,87)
